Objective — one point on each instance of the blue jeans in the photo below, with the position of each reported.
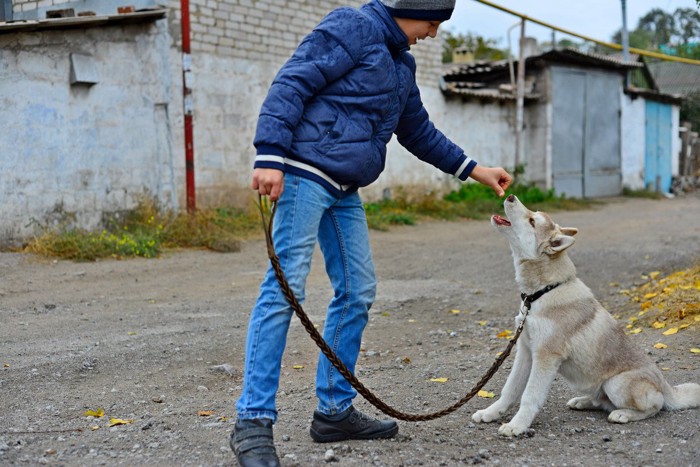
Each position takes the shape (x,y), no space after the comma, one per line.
(307,211)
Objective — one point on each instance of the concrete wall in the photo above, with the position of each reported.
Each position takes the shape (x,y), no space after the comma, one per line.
(633,135)
(79,151)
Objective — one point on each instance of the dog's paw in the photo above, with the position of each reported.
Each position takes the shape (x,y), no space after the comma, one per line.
(512,429)
(581,403)
(618,416)
(486,416)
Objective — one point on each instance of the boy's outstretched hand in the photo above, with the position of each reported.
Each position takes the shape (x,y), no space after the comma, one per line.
(494,177)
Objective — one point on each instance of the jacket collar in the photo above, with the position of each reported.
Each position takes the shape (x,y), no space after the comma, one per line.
(395,38)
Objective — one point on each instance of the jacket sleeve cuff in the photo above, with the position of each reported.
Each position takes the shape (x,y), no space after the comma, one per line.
(264,161)
(465,169)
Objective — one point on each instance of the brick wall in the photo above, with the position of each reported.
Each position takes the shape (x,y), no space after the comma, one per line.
(270,30)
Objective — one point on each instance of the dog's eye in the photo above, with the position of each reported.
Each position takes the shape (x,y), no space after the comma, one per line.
(532,222)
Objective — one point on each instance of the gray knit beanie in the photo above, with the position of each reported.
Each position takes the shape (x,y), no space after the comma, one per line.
(428,10)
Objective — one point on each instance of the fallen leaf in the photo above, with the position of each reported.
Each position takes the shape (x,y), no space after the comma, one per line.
(636,331)
(205,413)
(660,345)
(665,369)
(485,394)
(658,325)
(99,413)
(650,295)
(654,274)
(695,350)
(438,380)
(298,367)
(614,284)
(6,365)
(411,320)
(95,427)
(119,421)
(505,334)
(131,333)
(482,323)
(223,419)
(670,331)
(455,312)
(683,326)
(385,313)
(406,360)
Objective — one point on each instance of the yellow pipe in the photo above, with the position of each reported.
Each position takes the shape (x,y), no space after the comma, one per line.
(611,45)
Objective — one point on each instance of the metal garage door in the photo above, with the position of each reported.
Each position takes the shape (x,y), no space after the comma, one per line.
(586,158)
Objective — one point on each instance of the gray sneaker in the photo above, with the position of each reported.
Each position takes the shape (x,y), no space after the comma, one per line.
(350,424)
(252,443)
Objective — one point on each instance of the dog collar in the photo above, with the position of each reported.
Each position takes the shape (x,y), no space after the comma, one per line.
(528,299)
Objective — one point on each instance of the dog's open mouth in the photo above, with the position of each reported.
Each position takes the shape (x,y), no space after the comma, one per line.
(501,221)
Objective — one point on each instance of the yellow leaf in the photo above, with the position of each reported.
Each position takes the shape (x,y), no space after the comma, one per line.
(659,345)
(438,380)
(485,394)
(665,368)
(119,421)
(636,331)
(629,326)
(386,313)
(625,291)
(650,295)
(683,326)
(658,325)
(695,350)
(505,334)
(633,319)
(411,320)
(645,306)
(95,427)
(298,367)
(99,413)
(654,274)
(130,333)
(614,284)
(6,365)
(205,413)
(482,323)
(223,419)
(670,331)
(455,312)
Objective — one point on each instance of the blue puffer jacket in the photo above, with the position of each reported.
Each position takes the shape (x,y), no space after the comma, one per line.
(334,105)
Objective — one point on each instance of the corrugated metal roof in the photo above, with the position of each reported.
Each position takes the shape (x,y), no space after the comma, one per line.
(676,78)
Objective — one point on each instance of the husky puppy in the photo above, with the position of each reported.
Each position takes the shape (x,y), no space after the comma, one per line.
(569,332)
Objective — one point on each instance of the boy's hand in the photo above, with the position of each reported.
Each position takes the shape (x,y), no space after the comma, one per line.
(268,182)
(494,177)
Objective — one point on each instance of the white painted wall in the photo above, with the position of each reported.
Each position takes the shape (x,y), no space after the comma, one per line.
(632,142)
(76,152)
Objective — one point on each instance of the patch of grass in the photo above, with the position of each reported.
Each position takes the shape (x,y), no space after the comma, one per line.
(641,194)
(470,201)
(147,230)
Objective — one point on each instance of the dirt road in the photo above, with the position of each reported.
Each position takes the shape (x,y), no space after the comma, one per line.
(139,338)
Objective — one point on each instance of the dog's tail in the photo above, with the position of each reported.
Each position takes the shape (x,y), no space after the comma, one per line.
(683,396)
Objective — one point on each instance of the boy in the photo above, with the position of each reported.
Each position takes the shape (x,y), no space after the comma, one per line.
(322,134)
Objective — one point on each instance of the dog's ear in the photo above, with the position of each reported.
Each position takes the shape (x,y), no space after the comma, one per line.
(569,230)
(561,243)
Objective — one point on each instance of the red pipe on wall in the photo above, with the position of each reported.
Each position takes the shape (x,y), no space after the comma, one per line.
(187,104)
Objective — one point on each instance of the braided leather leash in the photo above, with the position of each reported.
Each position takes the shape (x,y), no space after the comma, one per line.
(340,366)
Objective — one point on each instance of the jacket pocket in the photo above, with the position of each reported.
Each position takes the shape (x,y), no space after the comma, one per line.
(332,135)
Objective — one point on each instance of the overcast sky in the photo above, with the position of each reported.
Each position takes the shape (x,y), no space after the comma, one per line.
(598,19)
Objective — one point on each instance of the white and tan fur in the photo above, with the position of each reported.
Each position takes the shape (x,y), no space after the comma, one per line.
(569,332)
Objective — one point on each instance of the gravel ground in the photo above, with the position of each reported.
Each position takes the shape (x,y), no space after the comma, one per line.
(160,342)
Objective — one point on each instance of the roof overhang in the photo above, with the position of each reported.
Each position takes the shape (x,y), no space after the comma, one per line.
(82,22)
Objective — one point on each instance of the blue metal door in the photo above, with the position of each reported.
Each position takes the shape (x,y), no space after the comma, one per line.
(657,147)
